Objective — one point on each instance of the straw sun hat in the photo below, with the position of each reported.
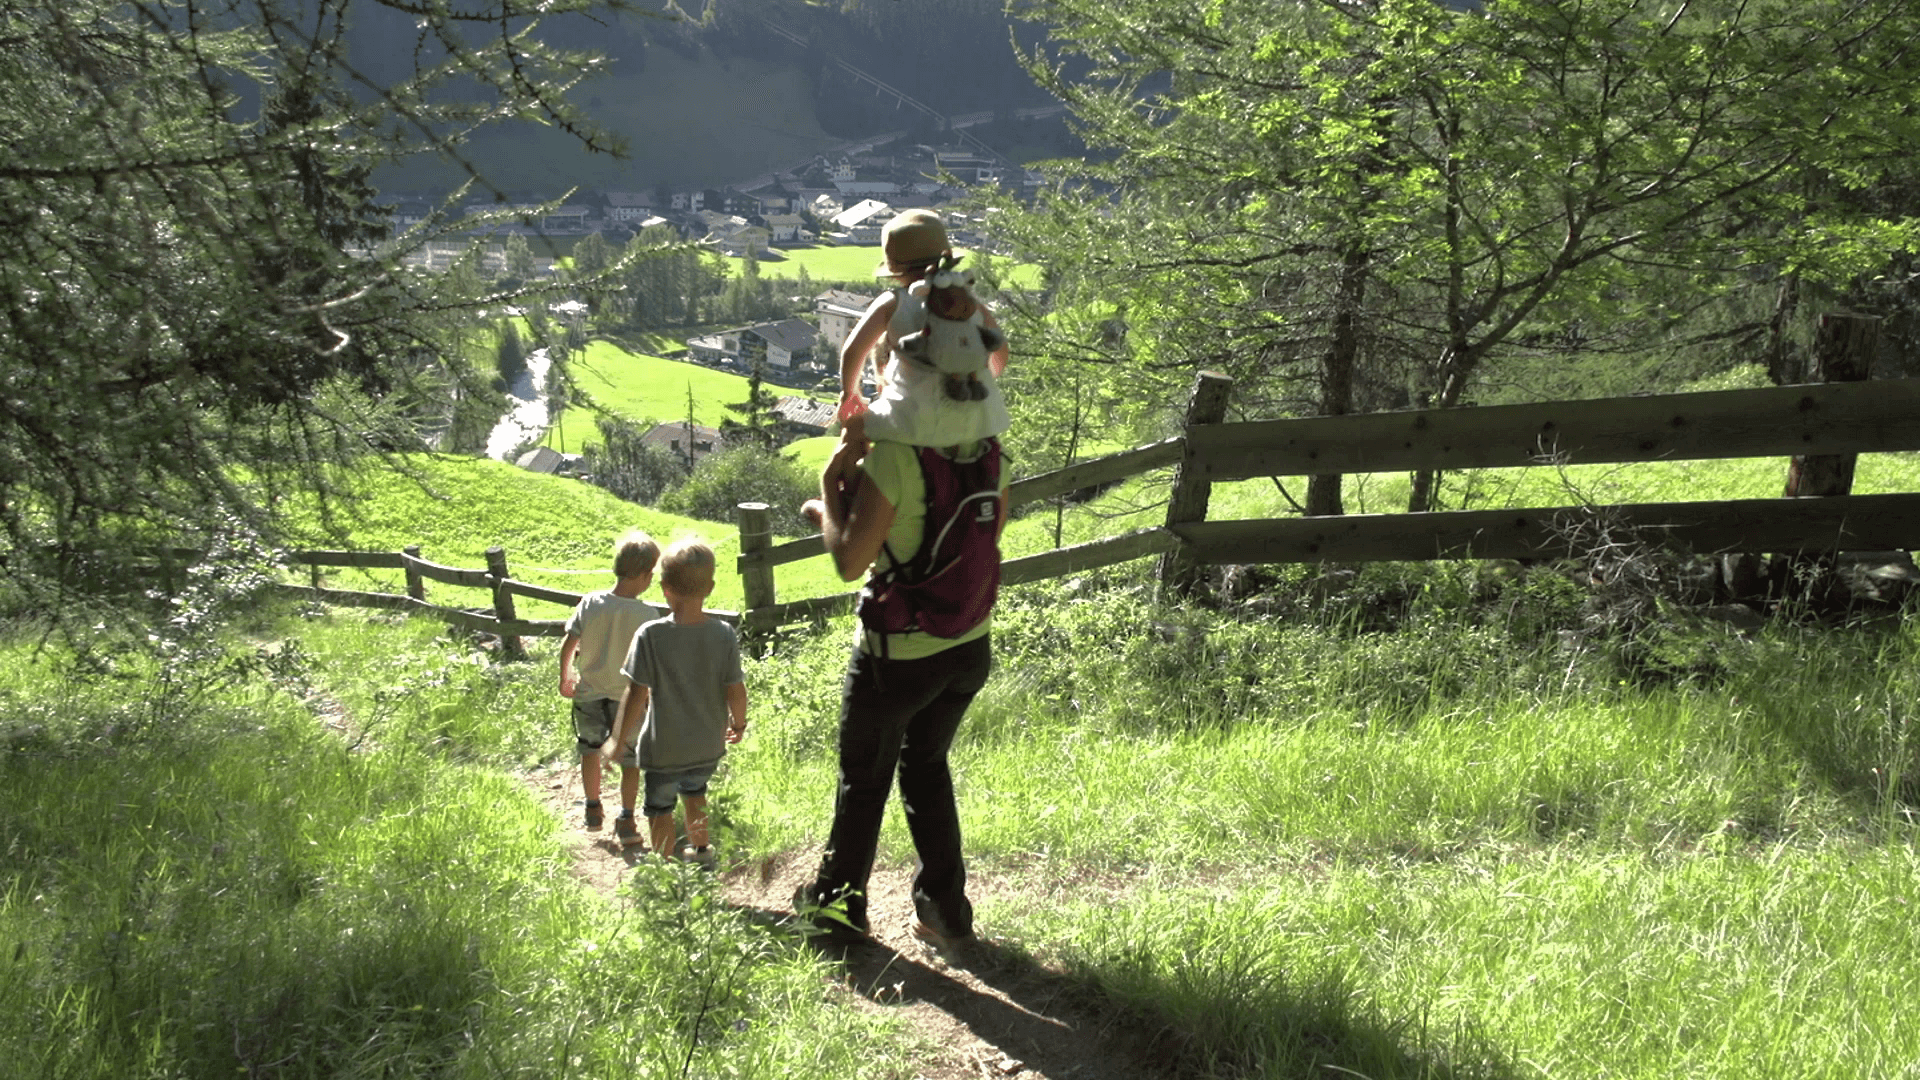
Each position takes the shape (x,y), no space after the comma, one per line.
(914,239)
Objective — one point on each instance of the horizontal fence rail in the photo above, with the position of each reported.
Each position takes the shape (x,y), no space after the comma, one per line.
(499,618)
(1836,418)
(1840,523)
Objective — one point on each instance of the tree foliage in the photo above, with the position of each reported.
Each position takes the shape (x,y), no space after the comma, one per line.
(203,304)
(1360,205)
(747,473)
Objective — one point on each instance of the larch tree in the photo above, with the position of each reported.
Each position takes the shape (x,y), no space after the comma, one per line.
(204,308)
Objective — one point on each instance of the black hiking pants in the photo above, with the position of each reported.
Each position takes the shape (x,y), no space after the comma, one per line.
(901,716)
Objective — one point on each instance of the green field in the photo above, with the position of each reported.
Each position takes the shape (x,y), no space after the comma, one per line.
(851,263)
(644,389)
(1422,839)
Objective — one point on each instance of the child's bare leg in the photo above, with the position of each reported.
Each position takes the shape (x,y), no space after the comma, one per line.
(629,787)
(590,775)
(660,830)
(696,820)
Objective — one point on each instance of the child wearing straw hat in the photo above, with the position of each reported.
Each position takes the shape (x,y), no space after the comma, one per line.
(944,348)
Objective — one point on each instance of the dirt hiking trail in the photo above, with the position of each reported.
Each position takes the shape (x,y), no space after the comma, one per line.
(985,1013)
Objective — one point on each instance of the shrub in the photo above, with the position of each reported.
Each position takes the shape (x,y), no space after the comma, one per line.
(745,474)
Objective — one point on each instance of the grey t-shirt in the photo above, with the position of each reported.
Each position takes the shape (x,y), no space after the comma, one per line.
(687,667)
(605,623)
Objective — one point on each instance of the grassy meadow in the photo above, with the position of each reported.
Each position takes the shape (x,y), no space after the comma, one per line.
(855,263)
(1413,831)
(556,531)
(1416,822)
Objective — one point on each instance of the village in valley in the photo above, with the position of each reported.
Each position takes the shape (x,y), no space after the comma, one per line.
(843,200)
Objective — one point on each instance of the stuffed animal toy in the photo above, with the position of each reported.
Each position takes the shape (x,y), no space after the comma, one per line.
(952,337)
(938,389)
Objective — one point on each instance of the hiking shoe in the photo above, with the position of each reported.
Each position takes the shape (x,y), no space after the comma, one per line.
(823,923)
(626,830)
(939,940)
(704,857)
(594,815)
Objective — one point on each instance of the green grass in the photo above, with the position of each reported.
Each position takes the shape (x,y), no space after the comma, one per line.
(641,389)
(855,263)
(1406,833)
(212,885)
(1446,849)
(556,531)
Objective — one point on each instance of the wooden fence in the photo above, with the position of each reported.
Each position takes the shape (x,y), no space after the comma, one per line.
(1818,426)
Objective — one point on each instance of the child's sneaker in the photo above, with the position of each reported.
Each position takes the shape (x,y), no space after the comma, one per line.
(594,815)
(626,830)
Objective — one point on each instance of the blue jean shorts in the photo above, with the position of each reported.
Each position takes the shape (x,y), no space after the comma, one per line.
(663,786)
(593,721)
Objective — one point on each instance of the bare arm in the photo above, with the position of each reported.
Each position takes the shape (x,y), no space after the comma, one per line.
(567,679)
(736,711)
(854,533)
(865,335)
(997,359)
(633,714)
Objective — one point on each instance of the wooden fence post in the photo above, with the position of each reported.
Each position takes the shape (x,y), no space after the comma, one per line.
(503,603)
(756,534)
(1179,574)
(416,585)
(1843,349)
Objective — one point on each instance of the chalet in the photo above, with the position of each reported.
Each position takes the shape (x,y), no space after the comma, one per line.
(728,201)
(803,417)
(408,214)
(863,220)
(629,206)
(787,228)
(775,200)
(787,344)
(838,310)
(965,165)
(545,459)
(689,442)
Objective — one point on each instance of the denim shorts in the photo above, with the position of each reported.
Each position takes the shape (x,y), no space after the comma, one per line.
(593,721)
(664,786)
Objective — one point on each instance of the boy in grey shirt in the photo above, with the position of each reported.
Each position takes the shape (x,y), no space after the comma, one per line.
(687,667)
(599,636)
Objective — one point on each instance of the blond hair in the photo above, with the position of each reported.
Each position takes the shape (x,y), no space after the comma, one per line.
(688,567)
(634,555)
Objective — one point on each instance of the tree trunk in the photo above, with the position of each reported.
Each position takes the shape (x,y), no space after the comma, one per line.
(1783,365)
(1455,365)
(1337,366)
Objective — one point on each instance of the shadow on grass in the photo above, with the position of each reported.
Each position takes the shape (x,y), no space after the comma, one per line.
(1056,1024)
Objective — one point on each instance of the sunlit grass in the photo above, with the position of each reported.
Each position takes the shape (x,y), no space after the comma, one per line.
(228,889)
(555,531)
(1450,849)
(855,263)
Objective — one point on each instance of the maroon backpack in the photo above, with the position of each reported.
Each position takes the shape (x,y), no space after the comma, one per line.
(949,585)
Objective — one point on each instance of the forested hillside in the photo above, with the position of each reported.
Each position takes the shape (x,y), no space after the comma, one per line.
(713,95)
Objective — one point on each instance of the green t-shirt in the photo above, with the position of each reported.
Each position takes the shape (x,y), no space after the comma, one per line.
(894,468)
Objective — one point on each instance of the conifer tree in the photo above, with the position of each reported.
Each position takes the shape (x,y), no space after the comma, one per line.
(205,310)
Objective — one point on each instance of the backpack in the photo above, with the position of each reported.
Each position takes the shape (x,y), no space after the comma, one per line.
(950,584)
